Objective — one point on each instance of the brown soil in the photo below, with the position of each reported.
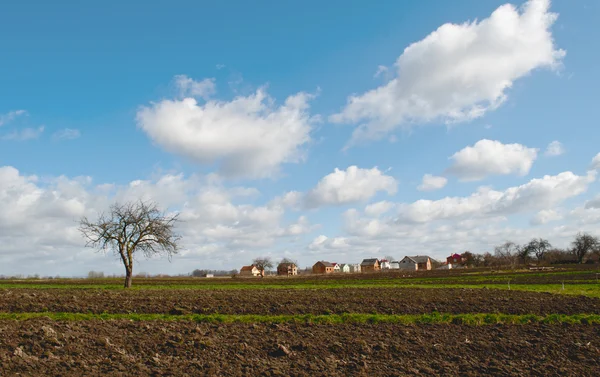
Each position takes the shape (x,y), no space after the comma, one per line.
(295,301)
(123,348)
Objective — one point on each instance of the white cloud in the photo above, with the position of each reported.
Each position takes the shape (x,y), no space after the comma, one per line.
(490,157)
(545,216)
(555,148)
(10,116)
(378,209)
(248,136)
(39,219)
(188,87)
(220,66)
(594,203)
(538,194)
(66,134)
(596,162)
(432,182)
(349,186)
(381,70)
(24,134)
(458,72)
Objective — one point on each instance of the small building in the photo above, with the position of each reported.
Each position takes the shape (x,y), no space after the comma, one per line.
(370,265)
(345,267)
(384,264)
(287,269)
(416,263)
(250,271)
(394,265)
(336,267)
(456,259)
(354,268)
(208,275)
(322,267)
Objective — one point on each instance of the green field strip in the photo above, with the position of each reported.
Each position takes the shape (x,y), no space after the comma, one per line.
(590,290)
(475,319)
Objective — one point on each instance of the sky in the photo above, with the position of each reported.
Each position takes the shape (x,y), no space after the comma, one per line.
(311,130)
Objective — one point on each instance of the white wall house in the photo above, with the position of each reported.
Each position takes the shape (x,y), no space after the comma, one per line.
(416,263)
(336,267)
(407,263)
(384,264)
(395,265)
(355,267)
(345,267)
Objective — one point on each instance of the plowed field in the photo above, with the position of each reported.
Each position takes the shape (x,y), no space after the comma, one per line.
(295,301)
(43,347)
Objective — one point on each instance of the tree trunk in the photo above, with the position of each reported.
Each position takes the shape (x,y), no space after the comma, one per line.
(128,277)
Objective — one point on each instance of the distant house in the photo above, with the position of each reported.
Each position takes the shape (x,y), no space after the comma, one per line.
(355,267)
(416,263)
(370,265)
(287,269)
(250,271)
(384,264)
(456,259)
(344,267)
(322,267)
(208,275)
(336,267)
(395,265)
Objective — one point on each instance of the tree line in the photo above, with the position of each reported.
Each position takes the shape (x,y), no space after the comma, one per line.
(538,250)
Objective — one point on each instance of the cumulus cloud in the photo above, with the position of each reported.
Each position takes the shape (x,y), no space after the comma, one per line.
(596,162)
(10,116)
(537,194)
(247,136)
(555,148)
(458,72)
(189,87)
(66,134)
(432,182)
(594,203)
(39,219)
(379,208)
(491,157)
(24,134)
(349,186)
(545,216)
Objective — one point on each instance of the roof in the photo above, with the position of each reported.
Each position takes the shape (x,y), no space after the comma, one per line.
(248,268)
(420,258)
(369,262)
(326,264)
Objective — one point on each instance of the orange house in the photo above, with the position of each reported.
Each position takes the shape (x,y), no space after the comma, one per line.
(322,267)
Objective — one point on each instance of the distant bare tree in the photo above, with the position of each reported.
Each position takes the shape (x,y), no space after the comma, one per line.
(508,253)
(584,244)
(289,260)
(127,229)
(389,258)
(538,246)
(263,264)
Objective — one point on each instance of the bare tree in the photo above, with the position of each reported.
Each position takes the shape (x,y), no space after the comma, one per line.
(508,253)
(129,229)
(289,260)
(538,246)
(584,244)
(263,264)
(389,258)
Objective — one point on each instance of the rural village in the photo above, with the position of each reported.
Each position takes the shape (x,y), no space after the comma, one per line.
(409,263)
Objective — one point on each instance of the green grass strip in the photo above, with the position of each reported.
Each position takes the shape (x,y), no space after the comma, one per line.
(590,290)
(475,319)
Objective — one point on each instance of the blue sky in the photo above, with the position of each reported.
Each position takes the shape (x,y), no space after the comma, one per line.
(96,96)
